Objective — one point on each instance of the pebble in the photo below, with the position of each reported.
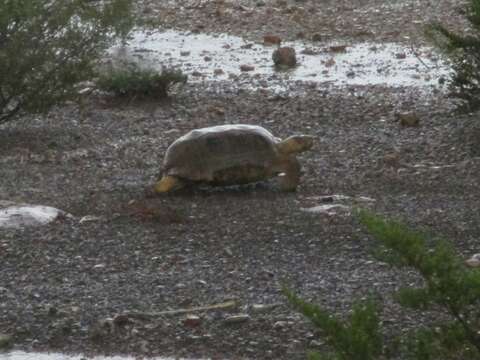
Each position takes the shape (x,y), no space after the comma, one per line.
(192,321)
(284,56)
(272,40)
(474,261)
(281,324)
(89,218)
(259,308)
(338,48)
(121,320)
(237,319)
(408,119)
(247,68)
(329,209)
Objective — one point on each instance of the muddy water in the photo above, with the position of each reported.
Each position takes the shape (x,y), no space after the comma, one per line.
(218,57)
(21,355)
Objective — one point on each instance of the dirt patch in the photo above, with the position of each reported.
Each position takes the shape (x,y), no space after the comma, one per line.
(65,286)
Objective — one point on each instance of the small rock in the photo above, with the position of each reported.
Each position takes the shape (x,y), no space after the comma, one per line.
(245,68)
(271,40)
(218,72)
(260,3)
(192,321)
(196,73)
(400,56)
(217,110)
(391,159)
(474,261)
(329,209)
(184,53)
(52,310)
(309,52)
(259,308)
(285,56)
(366,199)
(338,48)
(180,286)
(408,119)
(101,329)
(237,319)
(262,308)
(207,58)
(6,341)
(89,218)
(316,343)
(85,91)
(281,325)
(121,320)
(317,37)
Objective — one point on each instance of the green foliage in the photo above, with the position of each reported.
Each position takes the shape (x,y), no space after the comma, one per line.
(448,286)
(133,81)
(48,47)
(357,339)
(464,51)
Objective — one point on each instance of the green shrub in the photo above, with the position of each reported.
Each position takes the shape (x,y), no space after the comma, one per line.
(357,339)
(464,51)
(48,47)
(133,81)
(449,287)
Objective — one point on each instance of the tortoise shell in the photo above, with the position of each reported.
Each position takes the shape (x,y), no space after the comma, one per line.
(226,154)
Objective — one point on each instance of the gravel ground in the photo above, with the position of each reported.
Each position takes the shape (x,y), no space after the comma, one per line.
(62,284)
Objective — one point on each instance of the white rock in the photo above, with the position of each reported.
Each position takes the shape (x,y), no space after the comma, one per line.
(89,218)
(22,215)
(474,261)
(329,209)
(235,319)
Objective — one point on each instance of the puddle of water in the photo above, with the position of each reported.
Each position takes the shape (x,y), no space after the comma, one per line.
(21,355)
(18,216)
(360,64)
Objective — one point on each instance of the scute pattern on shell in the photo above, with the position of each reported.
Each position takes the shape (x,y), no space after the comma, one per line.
(208,154)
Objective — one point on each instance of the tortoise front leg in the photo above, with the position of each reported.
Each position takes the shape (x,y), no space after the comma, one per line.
(168,184)
(291,167)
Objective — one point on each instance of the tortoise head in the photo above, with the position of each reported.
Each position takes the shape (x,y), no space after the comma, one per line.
(296,144)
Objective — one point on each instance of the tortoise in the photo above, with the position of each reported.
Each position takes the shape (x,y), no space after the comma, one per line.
(232,155)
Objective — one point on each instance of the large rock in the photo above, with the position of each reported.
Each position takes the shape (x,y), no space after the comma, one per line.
(285,57)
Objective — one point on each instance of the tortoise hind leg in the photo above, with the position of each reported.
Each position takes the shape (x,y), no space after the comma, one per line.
(291,179)
(168,183)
